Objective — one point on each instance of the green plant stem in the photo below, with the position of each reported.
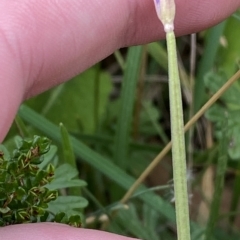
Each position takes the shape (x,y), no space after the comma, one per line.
(120,59)
(178,142)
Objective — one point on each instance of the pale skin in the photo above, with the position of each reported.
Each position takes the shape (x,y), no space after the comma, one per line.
(46,42)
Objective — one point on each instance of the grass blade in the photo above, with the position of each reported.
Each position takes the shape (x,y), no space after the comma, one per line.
(21,127)
(69,156)
(68,153)
(127,103)
(178,142)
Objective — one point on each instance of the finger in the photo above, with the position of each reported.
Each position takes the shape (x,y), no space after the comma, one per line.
(52,231)
(12,84)
(57,40)
(46,42)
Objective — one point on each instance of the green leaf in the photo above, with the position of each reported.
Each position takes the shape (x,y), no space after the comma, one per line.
(134,226)
(67,204)
(9,187)
(75,221)
(4,210)
(50,196)
(22,216)
(3,175)
(214,81)
(230,109)
(61,184)
(67,171)
(40,178)
(20,193)
(216,113)
(77,100)
(59,217)
(149,120)
(63,178)
(50,156)
(5,152)
(42,143)
(151,221)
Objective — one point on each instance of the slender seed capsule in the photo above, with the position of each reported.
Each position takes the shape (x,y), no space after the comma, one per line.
(166,13)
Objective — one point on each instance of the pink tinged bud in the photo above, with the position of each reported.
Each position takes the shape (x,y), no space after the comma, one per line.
(166,13)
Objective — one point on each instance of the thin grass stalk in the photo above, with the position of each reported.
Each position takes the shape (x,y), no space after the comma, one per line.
(127,104)
(178,142)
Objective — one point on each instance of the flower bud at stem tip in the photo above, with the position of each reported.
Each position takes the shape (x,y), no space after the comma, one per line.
(166,13)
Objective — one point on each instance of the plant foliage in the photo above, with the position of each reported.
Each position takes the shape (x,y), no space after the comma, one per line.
(29,192)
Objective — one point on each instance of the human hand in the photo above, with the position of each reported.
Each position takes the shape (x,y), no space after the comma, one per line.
(46,42)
